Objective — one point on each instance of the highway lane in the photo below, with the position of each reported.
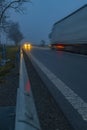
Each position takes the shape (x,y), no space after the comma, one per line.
(70,68)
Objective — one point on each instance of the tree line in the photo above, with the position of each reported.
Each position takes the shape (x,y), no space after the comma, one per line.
(11,29)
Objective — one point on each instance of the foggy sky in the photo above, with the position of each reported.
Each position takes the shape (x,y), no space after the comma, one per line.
(37,21)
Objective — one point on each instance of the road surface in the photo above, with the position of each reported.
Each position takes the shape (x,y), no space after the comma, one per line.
(66,77)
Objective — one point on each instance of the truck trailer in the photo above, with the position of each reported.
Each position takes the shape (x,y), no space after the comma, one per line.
(70,33)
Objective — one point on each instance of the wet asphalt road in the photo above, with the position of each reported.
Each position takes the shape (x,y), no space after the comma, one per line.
(72,70)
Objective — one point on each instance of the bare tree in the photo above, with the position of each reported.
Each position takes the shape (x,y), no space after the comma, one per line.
(14,33)
(5,5)
(42,43)
(17,5)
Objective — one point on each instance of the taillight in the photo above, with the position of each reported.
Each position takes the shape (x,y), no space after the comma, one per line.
(60,46)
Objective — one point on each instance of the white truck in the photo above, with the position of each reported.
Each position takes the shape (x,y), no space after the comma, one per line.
(70,33)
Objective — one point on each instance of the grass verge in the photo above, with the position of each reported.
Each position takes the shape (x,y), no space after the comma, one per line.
(10,54)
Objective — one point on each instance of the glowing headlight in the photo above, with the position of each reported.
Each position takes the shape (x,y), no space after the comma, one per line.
(29,46)
(25,46)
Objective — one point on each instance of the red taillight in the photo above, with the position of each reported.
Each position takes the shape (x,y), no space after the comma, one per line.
(60,46)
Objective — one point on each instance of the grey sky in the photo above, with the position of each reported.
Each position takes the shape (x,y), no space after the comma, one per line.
(40,16)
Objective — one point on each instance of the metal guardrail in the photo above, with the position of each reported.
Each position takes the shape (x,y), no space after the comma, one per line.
(26,115)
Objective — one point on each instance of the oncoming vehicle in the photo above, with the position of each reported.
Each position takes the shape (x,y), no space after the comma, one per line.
(27,46)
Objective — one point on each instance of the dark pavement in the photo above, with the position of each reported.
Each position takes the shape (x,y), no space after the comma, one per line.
(71,69)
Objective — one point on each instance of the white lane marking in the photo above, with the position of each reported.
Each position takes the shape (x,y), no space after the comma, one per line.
(77,102)
(75,54)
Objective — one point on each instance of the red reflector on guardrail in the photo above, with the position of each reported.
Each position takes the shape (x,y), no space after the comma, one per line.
(27,86)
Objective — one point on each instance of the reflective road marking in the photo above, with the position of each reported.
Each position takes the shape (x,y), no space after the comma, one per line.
(77,102)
